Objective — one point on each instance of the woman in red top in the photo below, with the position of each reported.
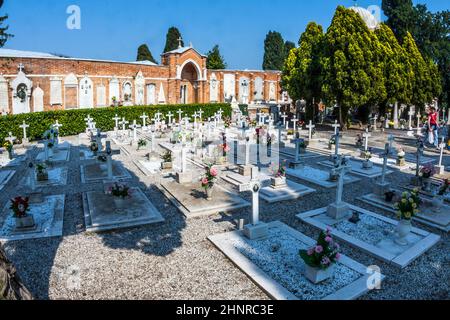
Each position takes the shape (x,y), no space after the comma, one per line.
(433,126)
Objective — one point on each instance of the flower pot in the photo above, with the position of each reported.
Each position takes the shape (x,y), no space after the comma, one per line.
(403,230)
(209,193)
(25,222)
(120,203)
(317,275)
(42,176)
(367,164)
(10,155)
(166,165)
(278,182)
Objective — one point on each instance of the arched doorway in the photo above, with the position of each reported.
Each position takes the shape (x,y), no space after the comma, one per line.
(189,84)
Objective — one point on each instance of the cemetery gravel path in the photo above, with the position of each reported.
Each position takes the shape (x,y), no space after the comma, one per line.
(174,260)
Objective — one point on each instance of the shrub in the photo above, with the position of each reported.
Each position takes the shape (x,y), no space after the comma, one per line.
(73,120)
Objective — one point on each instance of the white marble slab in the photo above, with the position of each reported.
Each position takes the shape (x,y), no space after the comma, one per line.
(358,170)
(374,234)
(60,156)
(56,177)
(292,191)
(276,267)
(317,176)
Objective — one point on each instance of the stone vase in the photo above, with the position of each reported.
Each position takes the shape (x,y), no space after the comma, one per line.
(166,165)
(42,176)
(403,230)
(25,222)
(367,164)
(317,275)
(10,155)
(121,203)
(278,182)
(209,193)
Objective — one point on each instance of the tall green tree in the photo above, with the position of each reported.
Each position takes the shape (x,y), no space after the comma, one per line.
(4,35)
(172,39)
(302,72)
(399,13)
(288,46)
(144,54)
(425,81)
(349,73)
(274,52)
(395,69)
(215,60)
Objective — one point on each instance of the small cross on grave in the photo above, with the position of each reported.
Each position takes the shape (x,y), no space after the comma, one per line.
(310,127)
(170,116)
(124,123)
(200,114)
(180,112)
(375,118)
(11,138)
(134,127)
(366,136)
(108,153)
(284,116)
(195,116)
(184,176)
(144,118)
(297,163)
(418,124)
(186,121)
(116,120)
(410,128)
(220,112)
(336,126)
(255,229)
(440,168)
(294,122)
(339,209)
(263,118)
(337,138)
(382,187)
(24,127)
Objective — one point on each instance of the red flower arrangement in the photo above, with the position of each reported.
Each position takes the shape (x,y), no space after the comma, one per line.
(20,206)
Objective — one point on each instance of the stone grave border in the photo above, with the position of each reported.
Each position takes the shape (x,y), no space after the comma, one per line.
(240,203)
(372,199)
(125,174)
(400,261)
(272,288)
(57,224)
(106,227)
(324,184)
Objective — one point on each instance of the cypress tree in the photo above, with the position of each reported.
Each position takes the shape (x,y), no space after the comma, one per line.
(144,54)
(215,61)
(274,53)
(4,35)
(172,42)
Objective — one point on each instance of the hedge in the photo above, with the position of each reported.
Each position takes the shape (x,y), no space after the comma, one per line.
(73,121)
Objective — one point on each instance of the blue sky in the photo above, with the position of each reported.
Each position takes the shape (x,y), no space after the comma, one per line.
(113,29)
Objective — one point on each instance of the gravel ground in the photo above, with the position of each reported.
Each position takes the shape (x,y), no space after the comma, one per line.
(174,260)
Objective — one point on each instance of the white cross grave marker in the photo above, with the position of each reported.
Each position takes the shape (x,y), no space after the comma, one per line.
(24,127)
(310,126)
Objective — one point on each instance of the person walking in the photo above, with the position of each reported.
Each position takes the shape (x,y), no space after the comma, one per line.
(433,126)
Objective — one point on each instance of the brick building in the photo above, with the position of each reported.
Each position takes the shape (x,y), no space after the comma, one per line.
(33,82)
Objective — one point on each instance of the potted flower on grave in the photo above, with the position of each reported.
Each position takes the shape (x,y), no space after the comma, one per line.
(290,132)
(41,172)
(279,174)
(102,158)
(166,160)
(402,124)
(406,208)
(227,122)
(320,260)
(428,171)
(389,196)
(20,207)
(9,148)
(391,124)
(331,142)
(302,146)
(367,155)
(120,193)
(94,147)
(142,143)
(401,157)
(208,181)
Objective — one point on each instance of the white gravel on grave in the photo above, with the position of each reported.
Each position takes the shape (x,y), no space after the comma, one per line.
(278,256)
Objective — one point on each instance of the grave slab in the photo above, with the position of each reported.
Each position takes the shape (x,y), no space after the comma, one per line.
(427,214)
(56,177)
(48,216)
(290,152)
(60,156)
(374,234)
(237,179)
(5,176)
(101,214)
(15,162)
(317,176)
(86,154)
(191,201)
(392,163)
(275,266)
(358,170)
(99,171)
(292,191)
(148,168)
